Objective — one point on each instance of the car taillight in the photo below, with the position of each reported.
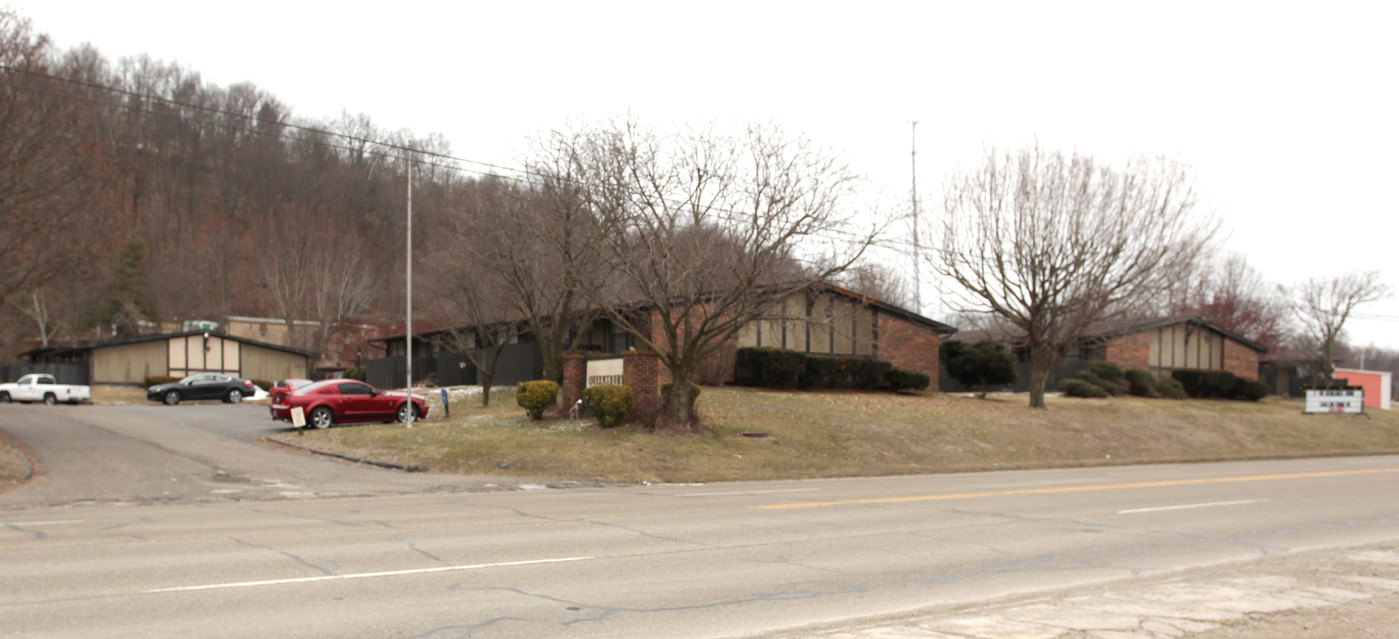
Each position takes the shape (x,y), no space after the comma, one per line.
(247,383)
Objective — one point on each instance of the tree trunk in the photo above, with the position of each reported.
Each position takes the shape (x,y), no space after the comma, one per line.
(678,406)
(1043,361)
(1038,378)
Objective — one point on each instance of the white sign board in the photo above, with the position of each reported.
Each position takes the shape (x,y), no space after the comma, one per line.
(604,371)
(298,417)
(1335,401)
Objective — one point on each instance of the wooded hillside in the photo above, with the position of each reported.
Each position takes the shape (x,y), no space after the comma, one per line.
(134,192)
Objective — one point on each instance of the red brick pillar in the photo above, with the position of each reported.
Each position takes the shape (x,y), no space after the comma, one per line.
(575,379)
(644,373)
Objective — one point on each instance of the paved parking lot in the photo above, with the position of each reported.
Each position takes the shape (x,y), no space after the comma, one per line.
(191,452)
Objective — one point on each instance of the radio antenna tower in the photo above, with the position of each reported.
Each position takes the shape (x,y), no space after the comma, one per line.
(917,243)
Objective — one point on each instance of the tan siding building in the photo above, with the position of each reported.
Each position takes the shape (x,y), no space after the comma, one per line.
(132,360)
(827,320)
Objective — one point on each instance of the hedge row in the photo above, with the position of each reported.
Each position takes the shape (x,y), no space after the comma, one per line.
(1220,385)
(779,368)
(1105,379)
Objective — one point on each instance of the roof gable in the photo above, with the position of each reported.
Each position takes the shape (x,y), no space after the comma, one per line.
(57,349)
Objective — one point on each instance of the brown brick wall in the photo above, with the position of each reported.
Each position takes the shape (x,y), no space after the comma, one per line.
(644,373)
(908,346)
(1130,351)
(575,379)
(1240,360)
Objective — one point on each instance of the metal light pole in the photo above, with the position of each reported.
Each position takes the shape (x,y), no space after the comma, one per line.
(408,338)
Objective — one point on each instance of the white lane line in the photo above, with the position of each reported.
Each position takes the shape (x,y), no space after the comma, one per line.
(363,575)
(1189,506)
(751,492)
(42,523)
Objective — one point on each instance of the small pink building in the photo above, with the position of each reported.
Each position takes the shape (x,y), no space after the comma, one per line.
(1377,385)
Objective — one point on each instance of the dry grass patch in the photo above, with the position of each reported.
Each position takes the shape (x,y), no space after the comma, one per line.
(835,434)
(13,466)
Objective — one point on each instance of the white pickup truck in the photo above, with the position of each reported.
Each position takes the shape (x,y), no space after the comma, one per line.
(41,387)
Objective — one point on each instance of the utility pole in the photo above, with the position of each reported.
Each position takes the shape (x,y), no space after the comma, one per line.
(917,243)
(408,337)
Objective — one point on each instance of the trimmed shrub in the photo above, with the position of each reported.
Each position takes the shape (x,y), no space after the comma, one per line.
(261,383)
(1170,388)
(898,379)
(1250,390)
(1107,371)
(822,372)
(778,368)
(1141,383)
(360,373)
(982,365)
(1079,388)
(608,403)
(1089,377)
(536,397)
(1107,376)
(865,373)
(665,389)
(156,380)
(770,367)
(1206,384)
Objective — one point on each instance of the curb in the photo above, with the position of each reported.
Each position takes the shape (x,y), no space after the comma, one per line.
(357,460)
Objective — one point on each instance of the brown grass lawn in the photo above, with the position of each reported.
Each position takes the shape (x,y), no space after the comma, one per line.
(13,467)
(836,434)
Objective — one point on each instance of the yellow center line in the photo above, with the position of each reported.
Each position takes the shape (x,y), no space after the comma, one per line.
(1077,489)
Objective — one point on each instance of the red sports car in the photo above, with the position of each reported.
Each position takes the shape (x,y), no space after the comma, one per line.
(345,401)
(281,388)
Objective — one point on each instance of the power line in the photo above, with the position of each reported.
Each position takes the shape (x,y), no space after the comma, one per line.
(392,151)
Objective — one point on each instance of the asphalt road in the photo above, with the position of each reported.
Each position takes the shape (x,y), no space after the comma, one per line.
(146,544)
(200,451)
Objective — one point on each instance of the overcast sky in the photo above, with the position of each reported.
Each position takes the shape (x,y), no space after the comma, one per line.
(1287,111)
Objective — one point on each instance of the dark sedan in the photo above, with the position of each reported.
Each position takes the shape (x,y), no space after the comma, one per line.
(202,386)
(341,401)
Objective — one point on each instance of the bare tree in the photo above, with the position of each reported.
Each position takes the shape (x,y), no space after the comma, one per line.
(479,305)
(879,282)
(1052,242)
(314,269)
(701,233)
(535,242)
(1233,295)
(38,311)
(54,176)
(1323,305)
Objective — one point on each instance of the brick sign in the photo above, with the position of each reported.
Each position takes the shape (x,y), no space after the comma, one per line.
(1335,401)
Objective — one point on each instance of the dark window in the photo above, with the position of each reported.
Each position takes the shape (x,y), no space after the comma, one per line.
(620,340)
(355,389)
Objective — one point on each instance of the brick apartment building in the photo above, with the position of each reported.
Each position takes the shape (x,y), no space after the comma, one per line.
(1156,345)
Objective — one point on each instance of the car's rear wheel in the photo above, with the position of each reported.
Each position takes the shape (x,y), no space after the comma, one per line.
(50,399)
(322,417)
(4,398)
(234,396)
(172,397)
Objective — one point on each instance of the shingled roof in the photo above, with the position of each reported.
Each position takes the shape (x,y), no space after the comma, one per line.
(1109,329)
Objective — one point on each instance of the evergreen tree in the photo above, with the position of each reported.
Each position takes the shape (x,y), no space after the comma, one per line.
(127,306)
(981,365)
